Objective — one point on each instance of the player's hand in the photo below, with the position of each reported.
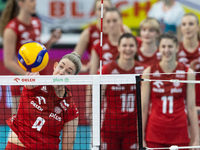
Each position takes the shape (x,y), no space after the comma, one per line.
(193,64)
(56,35)
(195,143)
(32,73)
(85,68)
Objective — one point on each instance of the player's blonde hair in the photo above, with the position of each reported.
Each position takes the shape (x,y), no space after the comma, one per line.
(150,23)
(76,59)
(11,10)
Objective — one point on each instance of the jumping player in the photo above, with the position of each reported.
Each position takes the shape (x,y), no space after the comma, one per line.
(167,122)
(17,26)
(46,110)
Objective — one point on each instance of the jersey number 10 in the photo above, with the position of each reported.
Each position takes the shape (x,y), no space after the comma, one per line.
(128,102)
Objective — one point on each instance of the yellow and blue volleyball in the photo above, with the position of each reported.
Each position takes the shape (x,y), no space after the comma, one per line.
(33,57)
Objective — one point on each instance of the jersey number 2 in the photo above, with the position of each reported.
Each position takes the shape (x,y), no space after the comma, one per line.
(38,123)
(165,99)
(127,102)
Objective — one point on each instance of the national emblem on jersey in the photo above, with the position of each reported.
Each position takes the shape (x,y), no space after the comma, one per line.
(57,110)
(180,73)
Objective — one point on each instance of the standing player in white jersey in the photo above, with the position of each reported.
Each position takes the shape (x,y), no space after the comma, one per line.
(17,26)
(119,113)
(46,110)
(166,123)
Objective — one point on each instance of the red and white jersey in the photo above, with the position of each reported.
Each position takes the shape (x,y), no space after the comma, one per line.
(25,33)
(109,52)
(41,116)
(94,37)
(147,60)
(119,112)
(167,122)
(186,57)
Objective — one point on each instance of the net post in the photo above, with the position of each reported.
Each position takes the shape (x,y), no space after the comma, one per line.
(96,123)
(139,112)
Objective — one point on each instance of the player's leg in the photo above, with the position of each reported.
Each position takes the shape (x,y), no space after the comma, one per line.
(110,141)
(129,141)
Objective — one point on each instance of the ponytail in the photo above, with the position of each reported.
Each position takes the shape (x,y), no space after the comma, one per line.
(11,10)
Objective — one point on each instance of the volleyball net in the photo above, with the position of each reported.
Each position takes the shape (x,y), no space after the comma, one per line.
(116,110)
(119,89)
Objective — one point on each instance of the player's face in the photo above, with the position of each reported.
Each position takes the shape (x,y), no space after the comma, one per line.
(28,6)
(148,34)
(106,5)
(64,67)
(189,27)
(127,48)
(113,22)
(168,49)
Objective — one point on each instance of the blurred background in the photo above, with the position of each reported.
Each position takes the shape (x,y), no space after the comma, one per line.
(72,16)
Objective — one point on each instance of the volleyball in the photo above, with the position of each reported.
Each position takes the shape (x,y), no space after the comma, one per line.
(33,57)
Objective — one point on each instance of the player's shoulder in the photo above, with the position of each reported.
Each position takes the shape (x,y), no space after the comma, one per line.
(13,23)
(110,67)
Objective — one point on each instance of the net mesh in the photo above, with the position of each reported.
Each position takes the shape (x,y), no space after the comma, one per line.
(40,114)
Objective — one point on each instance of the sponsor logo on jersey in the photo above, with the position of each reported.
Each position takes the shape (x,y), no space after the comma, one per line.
(95,34)
(21,28)
(156,74)
(176,90)
(182,54)
(118,88)
(115,71)
(56,117)
(180,73)
(44,88)
(36,106)
(64,105)
(158,84)
(105,47)
(158,90)
(139,69)
(57,110)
